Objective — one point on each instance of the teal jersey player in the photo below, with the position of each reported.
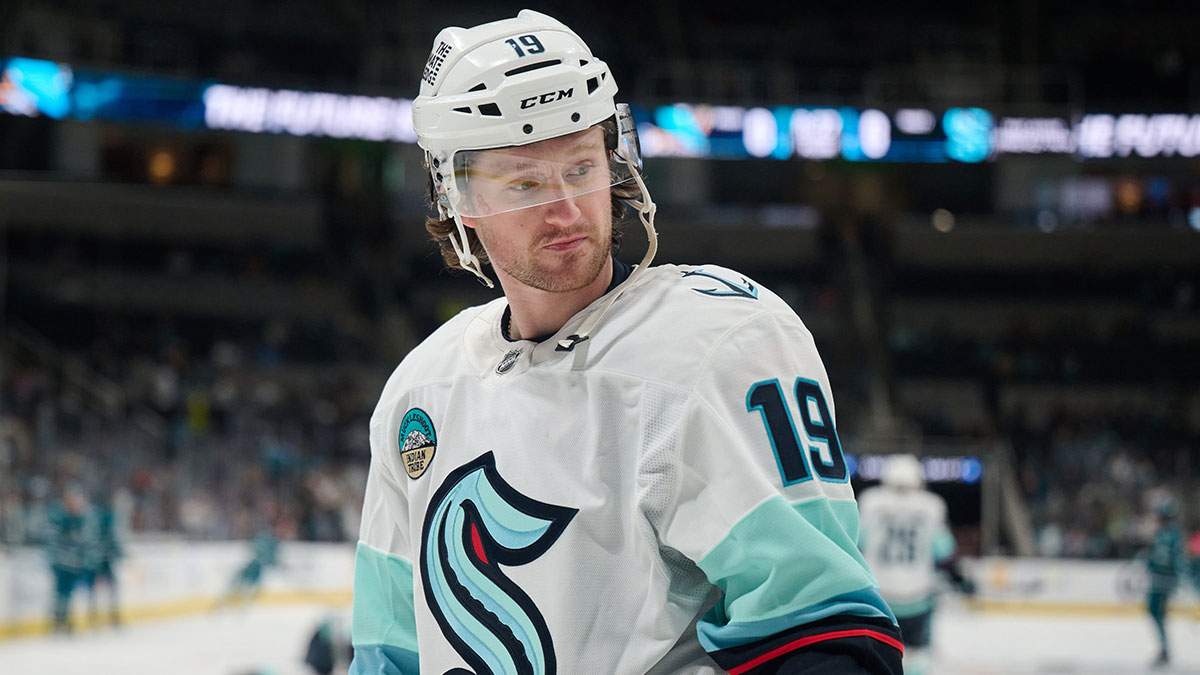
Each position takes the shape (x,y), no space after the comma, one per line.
(1166,564)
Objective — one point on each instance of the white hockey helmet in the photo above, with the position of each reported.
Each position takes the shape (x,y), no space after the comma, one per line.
(508,83)
(1165,506)
(903,471)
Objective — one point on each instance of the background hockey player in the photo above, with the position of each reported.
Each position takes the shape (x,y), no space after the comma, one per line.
(906,540)
(103,551)
(264,554)
(67,548)
(1165,563)
(610,469)
(1194,560)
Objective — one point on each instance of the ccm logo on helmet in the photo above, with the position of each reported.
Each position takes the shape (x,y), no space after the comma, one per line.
(548,97)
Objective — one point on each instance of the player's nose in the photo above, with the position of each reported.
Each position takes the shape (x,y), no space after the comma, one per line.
(564,210)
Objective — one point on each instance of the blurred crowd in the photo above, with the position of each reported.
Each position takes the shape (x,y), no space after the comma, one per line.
(221,448)
(1088,376)
(207,446)
(212,428)
(1091,478)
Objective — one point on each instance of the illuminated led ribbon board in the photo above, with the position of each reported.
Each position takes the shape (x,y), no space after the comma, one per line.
(33,87)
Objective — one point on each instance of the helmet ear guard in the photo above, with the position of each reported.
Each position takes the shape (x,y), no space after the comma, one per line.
(437,194)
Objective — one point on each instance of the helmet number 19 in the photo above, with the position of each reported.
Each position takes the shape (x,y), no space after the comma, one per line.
(530,42)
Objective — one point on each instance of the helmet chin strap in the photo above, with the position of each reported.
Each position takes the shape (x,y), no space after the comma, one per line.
(646,209)
(466,259)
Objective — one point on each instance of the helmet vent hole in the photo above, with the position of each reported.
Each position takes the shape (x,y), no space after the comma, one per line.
(532,66)
(479,87)
(593,84)
(528,128)
(574,117)
(463,110)
(490,109)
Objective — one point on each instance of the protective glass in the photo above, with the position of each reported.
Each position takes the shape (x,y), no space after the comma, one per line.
(488,182)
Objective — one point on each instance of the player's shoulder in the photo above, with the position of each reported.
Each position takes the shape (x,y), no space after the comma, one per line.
(443,352)
(706,296)
(683,323)
(884,497)
(927,502)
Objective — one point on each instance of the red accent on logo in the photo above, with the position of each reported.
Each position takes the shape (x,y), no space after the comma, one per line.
(478,544)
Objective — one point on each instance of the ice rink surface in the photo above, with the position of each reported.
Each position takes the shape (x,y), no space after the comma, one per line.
(972,643)
(271,640)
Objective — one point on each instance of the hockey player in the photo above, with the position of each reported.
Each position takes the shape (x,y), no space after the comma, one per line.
(1165,563)
(906,540)
(610,469)
(264,554)
(1194,560)
(67,550)
(104,550)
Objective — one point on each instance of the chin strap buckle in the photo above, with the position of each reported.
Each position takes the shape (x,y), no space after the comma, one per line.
(569,343)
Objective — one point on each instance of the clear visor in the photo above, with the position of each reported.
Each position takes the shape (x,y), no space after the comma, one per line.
(487,182)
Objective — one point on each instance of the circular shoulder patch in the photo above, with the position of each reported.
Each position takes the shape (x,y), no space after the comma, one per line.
(417,441)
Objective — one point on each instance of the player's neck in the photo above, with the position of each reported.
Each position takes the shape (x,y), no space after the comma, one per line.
(535,312)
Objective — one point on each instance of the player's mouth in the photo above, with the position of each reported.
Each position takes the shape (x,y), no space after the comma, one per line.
(566,244)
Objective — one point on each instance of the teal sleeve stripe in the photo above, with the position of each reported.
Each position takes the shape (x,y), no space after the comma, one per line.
(943,546)
(383,614)
(864,603)
(789,564)
(383,660)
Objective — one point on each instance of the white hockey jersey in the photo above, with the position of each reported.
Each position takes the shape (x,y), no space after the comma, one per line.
(904,536)
(659,499)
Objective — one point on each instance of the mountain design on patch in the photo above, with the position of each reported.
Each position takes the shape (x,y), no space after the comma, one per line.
(415,439)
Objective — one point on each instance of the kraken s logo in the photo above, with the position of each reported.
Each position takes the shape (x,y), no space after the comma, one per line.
(475,524)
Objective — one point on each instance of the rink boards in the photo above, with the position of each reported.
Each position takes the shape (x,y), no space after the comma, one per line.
(1065,586)
(161,579)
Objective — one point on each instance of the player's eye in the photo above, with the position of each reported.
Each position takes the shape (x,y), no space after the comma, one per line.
(526,185)
(578,173)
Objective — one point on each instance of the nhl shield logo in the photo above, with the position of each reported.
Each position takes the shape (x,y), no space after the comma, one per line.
(417,442)
(508,361)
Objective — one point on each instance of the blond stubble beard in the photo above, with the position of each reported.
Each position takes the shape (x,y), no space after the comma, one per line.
(571,276)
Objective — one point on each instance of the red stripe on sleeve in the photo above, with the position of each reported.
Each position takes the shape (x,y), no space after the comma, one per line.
(813,639)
